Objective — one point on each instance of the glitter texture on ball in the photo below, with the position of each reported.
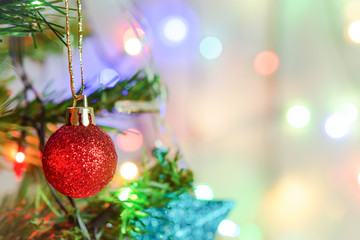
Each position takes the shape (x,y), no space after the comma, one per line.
(79,161)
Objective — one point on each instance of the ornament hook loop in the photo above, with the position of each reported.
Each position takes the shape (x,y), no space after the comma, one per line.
(84,97)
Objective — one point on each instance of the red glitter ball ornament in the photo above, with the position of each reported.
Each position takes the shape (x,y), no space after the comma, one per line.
(79,160)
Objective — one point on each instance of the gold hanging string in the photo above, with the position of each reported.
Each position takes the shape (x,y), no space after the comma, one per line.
(68,43)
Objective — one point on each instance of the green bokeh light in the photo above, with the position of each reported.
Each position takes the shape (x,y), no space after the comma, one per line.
(250,231)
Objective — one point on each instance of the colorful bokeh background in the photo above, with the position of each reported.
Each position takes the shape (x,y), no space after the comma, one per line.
(263,100)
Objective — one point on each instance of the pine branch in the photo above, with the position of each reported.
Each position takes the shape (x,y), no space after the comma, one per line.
(139,88)
(105,213)
(24,18)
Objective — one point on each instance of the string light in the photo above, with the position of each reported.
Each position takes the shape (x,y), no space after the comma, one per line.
(36,2)
(266,63)
(128,170)
(228,228)
(298,116)
(203,192)
(20,157)
(210,48)
(175,29)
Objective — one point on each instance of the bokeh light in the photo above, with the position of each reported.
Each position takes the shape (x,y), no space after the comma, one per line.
(124,194)
(204,192)
(298,116)
(132,43)
(133,46)
(354,31)
(266,63)
(130,34)
(210,48)
(348,111)
(293,201)
(336,126)
(228,228)
(175,29)
(250,231)
(130,141)
(20,157)
(128,170)
(294,195)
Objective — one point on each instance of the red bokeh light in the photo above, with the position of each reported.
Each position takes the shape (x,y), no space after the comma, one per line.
(266,63)
(130,141)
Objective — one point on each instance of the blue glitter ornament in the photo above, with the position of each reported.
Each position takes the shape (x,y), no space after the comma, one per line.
(185,219)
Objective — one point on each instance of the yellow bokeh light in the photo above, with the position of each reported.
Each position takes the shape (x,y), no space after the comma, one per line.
(20,157)
(129,170)
(132,42)
(133,46)
(292,202)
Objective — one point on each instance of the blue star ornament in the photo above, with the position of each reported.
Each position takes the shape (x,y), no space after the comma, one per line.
(185,219)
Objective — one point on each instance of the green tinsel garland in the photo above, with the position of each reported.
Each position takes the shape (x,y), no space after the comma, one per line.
(105,215)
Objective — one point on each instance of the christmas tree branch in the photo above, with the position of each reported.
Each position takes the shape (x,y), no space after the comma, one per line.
(98,222)
(79,221)
(23,18)
(149,191)
(16,53)
(107,215)
(138,88)
(58,201)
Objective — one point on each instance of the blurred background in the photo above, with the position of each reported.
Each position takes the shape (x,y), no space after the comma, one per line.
(262,102)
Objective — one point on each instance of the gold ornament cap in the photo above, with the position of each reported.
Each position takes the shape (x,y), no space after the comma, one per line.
(77,116)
